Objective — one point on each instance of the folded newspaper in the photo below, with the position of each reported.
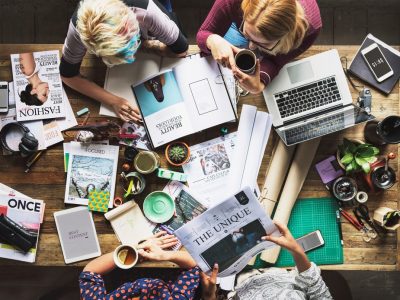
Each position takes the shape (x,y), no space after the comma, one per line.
(228,234)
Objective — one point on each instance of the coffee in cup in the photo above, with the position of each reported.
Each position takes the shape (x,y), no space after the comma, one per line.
(246,61)
(146,162)
(125,256)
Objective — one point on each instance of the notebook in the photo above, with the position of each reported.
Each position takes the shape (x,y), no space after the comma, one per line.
(360,69)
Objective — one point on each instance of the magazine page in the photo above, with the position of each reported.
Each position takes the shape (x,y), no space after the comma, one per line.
(139,140)
(209,166)
(119,79)
(69,120)
(228,234)
(27,213)
(163,109)
(91,168)
(206,96)
(37,85)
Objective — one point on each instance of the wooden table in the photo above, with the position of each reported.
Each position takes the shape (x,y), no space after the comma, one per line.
(47,179)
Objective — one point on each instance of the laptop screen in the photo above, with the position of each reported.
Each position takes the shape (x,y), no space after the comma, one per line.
(337,120)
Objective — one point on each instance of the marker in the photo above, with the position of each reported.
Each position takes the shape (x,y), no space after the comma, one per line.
(340,227)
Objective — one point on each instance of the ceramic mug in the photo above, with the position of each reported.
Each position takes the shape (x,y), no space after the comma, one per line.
(146,162)
(125,256)
(246,61)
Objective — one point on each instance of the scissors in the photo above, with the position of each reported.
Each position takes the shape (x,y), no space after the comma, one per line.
(367,235)
(362,213)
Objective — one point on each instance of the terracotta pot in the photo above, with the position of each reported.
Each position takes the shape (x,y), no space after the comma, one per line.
(379,215)
(357,142)
(184,161)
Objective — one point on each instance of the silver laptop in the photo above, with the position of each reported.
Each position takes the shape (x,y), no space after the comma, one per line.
(310,98)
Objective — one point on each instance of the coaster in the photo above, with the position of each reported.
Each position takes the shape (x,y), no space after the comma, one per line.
(158,207)
(98,201)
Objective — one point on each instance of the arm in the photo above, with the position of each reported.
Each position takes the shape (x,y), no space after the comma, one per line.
(308,275)
(170,40)
(121,106)
(101,265)
(28,64)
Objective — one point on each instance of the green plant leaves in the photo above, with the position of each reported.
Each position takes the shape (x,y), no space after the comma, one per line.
(347,158)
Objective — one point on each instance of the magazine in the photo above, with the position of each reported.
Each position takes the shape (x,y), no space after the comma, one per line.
(27,213)
(37,85)
(184,100)
(209,166)
(91,169)
(228,234)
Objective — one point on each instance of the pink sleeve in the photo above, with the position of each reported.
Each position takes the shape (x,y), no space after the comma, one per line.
(218,21)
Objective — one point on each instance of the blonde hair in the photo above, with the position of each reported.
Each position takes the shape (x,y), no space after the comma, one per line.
(282,20)
(101,26)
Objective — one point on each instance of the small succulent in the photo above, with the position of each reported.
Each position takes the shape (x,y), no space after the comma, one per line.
(177,153)
(356,157)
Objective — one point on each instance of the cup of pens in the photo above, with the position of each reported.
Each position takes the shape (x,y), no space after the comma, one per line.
(134,183)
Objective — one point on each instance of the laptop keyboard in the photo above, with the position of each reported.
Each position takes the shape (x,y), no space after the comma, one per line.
(315,129)
(308,97)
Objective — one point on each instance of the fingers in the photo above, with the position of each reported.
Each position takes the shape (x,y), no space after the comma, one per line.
(168,245)
(232,62)
(203,277)
(282,227)
(144,254)
(258,67)
(159,234)
(271,238)
(213,277)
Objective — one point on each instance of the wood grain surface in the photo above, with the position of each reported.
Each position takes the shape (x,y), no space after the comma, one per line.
(47,178)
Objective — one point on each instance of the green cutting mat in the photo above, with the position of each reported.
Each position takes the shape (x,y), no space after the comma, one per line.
(309,215)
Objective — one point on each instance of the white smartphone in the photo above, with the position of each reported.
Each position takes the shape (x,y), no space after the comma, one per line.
(377,62)
(3,96)
(311,241)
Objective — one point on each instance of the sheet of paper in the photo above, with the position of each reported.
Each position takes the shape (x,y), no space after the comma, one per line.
(69,120)
(226,283)
(207,101)
(119,79)
(52,133)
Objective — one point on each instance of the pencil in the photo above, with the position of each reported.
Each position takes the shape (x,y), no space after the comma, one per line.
(34,158)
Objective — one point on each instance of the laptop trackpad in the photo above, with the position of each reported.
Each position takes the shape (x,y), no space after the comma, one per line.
(300,72)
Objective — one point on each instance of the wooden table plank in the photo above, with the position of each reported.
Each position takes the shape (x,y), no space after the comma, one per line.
(47,179)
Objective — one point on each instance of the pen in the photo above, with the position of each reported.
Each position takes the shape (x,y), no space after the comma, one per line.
(340,227)
(34,158)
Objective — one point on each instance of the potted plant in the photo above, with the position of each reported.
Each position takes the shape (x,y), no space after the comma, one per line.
(177,153)
(387,218)
(354,156)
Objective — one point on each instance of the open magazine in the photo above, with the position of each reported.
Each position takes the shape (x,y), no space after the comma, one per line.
(37,85)
(184,100)
(228,234)
(209,166)
(92,170)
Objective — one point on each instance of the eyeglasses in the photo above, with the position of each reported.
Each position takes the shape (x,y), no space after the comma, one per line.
(256,43)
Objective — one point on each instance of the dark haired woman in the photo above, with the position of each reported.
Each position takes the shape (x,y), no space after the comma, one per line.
(37,91)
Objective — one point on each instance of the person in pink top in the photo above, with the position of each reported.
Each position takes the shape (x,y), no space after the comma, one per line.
(277,30)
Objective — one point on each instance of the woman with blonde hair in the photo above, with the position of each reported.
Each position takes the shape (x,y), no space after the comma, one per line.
(278,30)
(114,30)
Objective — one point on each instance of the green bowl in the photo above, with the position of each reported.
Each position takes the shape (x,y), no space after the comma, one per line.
(158,207)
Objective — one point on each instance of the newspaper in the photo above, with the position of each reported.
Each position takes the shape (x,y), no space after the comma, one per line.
(209,166)
(38,74)
(228,234)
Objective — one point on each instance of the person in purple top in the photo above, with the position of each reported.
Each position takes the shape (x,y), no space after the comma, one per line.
(278,30)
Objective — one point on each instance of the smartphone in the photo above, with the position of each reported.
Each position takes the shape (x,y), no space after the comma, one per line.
(3,96)
(377,62)
(311,241)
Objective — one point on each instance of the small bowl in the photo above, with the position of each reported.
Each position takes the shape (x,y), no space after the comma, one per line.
(158,207)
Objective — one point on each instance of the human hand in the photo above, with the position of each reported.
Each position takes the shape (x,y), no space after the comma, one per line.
(161,239)
(41,90)
(209,284)
(250,82)
(152,250)
(286,240)
(222,51)
(126,111)
(161,49)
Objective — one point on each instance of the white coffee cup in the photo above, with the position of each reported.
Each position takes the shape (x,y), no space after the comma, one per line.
(125,256)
